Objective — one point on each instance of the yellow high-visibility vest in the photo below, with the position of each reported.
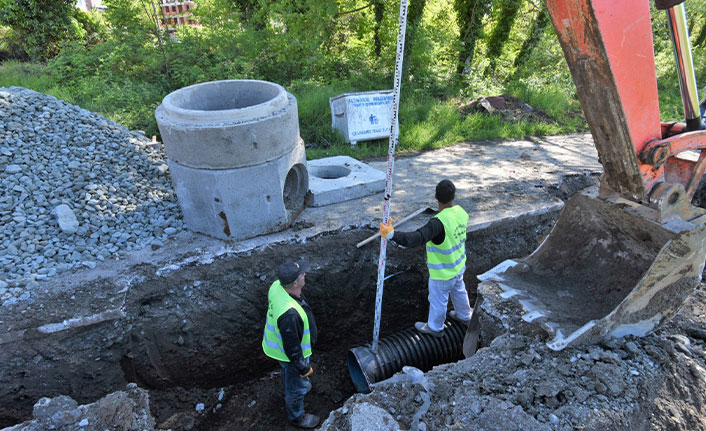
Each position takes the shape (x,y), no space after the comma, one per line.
(446,260)
(279,302)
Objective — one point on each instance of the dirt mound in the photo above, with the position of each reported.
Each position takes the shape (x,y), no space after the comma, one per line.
(509,108)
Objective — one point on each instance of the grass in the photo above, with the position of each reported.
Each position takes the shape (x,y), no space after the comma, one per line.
(28,75)
(426,121)
(129,103)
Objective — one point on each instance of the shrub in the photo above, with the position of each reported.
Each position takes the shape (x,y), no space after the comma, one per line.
(40,26)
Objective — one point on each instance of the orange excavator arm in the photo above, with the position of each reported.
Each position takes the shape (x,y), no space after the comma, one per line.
(609,49)
(623,259)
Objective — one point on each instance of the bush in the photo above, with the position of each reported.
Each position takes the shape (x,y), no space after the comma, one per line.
(40,26)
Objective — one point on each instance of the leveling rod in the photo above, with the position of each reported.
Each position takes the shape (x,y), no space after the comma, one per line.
(394,140)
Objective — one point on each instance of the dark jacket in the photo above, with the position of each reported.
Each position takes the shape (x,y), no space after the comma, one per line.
(432,231)
(291,327)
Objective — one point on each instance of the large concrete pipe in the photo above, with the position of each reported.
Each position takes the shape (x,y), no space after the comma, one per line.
(408,347)
(235,156)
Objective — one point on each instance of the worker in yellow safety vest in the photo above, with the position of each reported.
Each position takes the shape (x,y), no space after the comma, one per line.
(445,238)
(290,332)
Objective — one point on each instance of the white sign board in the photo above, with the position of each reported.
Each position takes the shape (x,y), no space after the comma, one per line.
(362,116)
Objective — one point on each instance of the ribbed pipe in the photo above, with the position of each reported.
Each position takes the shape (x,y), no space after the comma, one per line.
(408,347)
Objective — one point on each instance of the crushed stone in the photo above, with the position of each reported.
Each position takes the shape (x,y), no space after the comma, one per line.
(75,189)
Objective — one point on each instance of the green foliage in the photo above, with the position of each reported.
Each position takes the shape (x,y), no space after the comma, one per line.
(670,103)
(29,75)
(40,26)
(536,31)
(9,48)
(457,50)
(507,11)
(470,15)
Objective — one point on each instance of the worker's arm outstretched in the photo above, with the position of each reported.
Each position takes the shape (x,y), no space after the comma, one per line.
(432,231)
(291,327)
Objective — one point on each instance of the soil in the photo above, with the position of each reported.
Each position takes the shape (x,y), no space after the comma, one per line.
(507,107)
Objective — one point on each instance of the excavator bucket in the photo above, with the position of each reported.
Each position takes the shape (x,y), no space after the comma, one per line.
(624,260)
(608,268)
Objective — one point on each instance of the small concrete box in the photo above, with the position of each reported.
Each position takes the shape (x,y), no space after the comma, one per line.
(341,178)
(235,156)
(362,116)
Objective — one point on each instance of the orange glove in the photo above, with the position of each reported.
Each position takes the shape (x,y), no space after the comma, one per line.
(387,231)
(308,373)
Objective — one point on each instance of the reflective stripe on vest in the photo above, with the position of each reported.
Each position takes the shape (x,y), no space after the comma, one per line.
(279,302)
(446,260)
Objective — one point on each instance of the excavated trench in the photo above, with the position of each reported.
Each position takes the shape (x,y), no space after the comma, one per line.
(192,336)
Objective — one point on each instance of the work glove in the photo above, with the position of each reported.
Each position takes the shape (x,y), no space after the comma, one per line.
(308,373)
(387,231)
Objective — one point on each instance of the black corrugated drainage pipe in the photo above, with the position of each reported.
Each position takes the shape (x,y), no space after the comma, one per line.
(408,347)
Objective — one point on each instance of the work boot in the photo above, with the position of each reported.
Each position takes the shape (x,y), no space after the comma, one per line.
(307,421)
(425,329)
(454,316)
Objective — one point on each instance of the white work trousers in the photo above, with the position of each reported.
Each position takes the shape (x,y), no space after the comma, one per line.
(439,291)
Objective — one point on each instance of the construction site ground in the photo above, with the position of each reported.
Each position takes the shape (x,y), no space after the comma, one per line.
(184,320)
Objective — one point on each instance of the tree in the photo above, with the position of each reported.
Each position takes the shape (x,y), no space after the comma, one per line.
(701,38)
(535,34)
(469,15)
(414,19)
(379,11)
(501,31)
(39,26)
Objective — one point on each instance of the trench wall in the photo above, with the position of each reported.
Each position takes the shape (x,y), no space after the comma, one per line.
(201,325)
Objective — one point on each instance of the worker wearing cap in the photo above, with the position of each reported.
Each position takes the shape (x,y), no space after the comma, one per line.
(290,333)
(445,238)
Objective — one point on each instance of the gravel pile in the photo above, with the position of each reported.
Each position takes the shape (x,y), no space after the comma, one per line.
(75,188)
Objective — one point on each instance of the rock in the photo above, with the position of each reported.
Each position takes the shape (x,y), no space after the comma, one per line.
(368,417)
(68,223)
(503,416)
(13,169)
(631,347)
(46,407)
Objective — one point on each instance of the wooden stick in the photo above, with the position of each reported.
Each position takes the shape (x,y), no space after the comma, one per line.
(414,214)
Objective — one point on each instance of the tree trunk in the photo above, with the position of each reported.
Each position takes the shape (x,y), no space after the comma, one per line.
(701,37)
(535,34)
(501,31)
(470,14)
(414,19)
(379,10)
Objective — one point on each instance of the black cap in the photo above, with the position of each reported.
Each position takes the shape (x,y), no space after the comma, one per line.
(445,191)
(289,271)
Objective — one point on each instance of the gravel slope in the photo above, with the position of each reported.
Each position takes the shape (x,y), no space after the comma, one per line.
(75,189)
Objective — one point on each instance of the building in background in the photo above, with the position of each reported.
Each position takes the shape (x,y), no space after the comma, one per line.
(90,5)
(177,13)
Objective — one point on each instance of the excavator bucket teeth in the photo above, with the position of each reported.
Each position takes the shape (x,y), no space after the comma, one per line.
(607,269)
